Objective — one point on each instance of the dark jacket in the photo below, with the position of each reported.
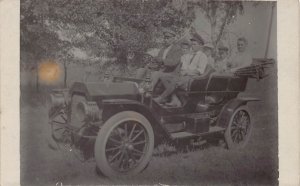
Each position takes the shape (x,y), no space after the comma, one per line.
(172,59)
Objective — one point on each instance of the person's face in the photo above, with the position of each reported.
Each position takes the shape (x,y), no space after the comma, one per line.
(241,46)
(168,39)
(223,54)
(185,49)
(207,51)
(196,46)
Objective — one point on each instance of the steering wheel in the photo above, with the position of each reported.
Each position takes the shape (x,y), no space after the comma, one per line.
(151,62)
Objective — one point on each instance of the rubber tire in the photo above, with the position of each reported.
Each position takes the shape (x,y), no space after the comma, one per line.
(229,142)
(106,129)
(74,120)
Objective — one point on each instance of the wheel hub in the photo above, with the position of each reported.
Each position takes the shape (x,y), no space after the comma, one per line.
(127,145)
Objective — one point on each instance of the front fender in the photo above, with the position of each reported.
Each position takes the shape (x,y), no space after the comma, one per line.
(229,108)
(113,106)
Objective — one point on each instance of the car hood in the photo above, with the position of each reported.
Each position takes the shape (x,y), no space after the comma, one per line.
(104,89)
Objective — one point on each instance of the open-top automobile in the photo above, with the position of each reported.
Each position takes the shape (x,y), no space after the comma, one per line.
(119,124)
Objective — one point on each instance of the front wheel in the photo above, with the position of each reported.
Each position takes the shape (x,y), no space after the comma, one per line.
(239,128)
(124,144)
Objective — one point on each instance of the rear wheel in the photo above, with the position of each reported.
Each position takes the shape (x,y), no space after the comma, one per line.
(58,128)
(124,144)
(239,129)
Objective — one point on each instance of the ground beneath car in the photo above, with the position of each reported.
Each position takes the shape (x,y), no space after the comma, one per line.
(257,164)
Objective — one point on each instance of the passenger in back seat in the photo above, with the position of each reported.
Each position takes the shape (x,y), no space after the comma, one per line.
(222,59)
(242,58)
(192,65)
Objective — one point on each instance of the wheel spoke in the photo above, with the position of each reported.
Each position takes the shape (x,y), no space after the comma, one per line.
(243,118)
(140,142)
(126,132)
(236,120)
(132,157)
(247,122)
(138,155)
(233,132)
(239,138)
(235,136)
(244,131)
(120,161)
(242,135)
(119,133)
(115,156)
(234,126)
(241,114)
(137,151)
(114,140)
(132,130)
(137,135)
(113,148)
(126,161)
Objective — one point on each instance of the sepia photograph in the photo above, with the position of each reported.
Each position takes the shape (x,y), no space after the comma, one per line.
(148,92)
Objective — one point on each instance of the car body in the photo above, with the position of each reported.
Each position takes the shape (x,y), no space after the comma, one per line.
(119,123)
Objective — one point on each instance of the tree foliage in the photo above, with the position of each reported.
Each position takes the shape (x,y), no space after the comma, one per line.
(111,28)
(218,13)
(100,27)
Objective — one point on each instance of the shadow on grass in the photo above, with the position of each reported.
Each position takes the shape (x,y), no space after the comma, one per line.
(184,147)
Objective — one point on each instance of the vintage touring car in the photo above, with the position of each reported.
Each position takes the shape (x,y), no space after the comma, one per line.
(119,123)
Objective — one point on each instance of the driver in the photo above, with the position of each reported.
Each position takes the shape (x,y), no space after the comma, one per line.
(193,64)
(169,56)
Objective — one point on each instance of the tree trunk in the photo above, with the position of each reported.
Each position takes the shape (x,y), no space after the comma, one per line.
(222,29)
(65,75)
(223,25)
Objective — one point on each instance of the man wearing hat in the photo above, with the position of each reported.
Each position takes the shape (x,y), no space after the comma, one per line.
(222,60)
(169,56)
(194,66)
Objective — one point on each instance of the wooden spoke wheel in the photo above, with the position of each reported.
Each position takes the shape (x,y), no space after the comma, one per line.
(58,127)
(124,144)
(239,129)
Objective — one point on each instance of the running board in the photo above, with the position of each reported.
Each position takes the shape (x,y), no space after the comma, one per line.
(181,135)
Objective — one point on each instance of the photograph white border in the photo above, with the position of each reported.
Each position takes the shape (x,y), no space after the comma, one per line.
(288,91)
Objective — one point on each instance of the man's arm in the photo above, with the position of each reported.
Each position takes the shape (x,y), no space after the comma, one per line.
(202,63)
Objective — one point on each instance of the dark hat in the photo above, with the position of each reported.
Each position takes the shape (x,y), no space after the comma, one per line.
(185,42)
(208,45)
(168,32)
(196,37)
(222,46)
